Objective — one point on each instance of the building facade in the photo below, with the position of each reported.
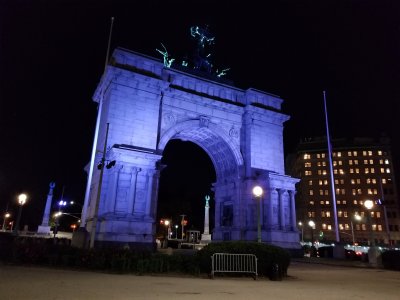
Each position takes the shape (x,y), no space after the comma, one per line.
(363,170)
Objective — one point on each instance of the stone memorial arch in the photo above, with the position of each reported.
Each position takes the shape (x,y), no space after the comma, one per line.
(147,104)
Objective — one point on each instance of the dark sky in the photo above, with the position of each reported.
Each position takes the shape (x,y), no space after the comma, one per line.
(52,55)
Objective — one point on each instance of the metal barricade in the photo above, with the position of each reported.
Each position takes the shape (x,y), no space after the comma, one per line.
(234,263)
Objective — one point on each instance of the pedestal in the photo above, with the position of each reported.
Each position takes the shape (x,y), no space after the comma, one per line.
(375,257)
(80,238)
(45,230)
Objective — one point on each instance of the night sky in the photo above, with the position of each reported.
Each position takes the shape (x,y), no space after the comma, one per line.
(52,55)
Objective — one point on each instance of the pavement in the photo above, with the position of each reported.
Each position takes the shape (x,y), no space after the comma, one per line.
(308,278)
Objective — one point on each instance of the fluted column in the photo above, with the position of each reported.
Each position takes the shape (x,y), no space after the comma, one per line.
(270,215)
(112,189)
(132,190)
(292,209)
(150,176)
(281,209)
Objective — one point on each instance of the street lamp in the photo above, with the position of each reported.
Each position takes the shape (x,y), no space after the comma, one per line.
(257,192)
(6,216)
(302,231)
(176,231)
(21,201)
(369,204)
(311,223)
(357,218)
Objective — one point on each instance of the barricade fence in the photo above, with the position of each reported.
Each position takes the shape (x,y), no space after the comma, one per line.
(234,263)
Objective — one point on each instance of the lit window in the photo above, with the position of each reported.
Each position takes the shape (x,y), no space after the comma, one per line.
(379,152)
(327,202)
(339,154)
(358,227)
(319,164)
(311,192)
(318,155)
(356,161)
(358,180)
(386,161)
(355,153)
(349,153)
(307,173)
(328,214)
(357,170)
(378,214)
(359,191)
(338,202)
(344,202)
(336,181)
(384,181)
(340,213)
(368,180)
(366,171)
(375,191)
(353,192)
(340,163)
(379,227)
(369,191)
(346,227)
(322,214)
(334,163)
(352,181)
(369,153)
(307,156)
(381,161)
(365,161)
(388,170)
(322,202)
(325,181)
(351,171)
(363,227)
(373,180)
(323,226)
(321,192)
(355,202)
(341,181)
(337,191)
(319,172)
(322,155)
(341,226)
(362,214)
(374,227)
(311,214)
(350,162)
(364,153)
(326,192)
(320,182)
(372,170)
(324,172)
(335,171)
(345,214)
(371,161)
(310,182)
(307,165)
(324,163)
(341,172)
(329,227)
(311,202)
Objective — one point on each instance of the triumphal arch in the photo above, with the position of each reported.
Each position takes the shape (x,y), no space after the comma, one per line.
(147,102)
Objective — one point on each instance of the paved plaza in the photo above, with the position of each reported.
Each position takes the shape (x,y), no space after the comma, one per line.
(305,281)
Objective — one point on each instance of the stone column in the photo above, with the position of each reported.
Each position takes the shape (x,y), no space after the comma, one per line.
(293,209)
(112,189)
(45,228)
(281,209)
(206,236)
(270,207)
(132,190)
(150,177)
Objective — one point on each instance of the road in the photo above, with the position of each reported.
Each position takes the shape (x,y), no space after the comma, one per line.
(304,281)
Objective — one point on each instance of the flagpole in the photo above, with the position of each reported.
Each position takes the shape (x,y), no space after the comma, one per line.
(331,173)
(96,135)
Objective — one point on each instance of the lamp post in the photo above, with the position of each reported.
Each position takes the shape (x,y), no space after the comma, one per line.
(6,216)
(176,231)
(311,223)
(21,201)
(357,218)
(302,231)
(257,192)
(369,204)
